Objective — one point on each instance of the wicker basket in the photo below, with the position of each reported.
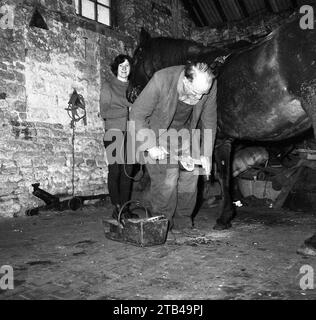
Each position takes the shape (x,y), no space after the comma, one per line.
(143,232)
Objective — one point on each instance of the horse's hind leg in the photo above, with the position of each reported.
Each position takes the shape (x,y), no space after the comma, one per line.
(222,157)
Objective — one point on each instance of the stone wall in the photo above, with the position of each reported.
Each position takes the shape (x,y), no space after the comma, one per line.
(39,69)
(159,17)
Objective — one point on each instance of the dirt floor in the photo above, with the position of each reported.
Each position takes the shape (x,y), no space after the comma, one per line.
(65,255)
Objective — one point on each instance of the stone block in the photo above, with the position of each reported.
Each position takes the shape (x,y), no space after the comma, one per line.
(39,162)
(41,175)
(8,164)
(7,190)
(3,66)
(16,91)
(10,171)
(19,65)
(53,163)
(22,115)
(20,106)
(6,211)
(91,163)
(101,163)
(7,75)
(27,172)
(43,133)
(23,159)
(20,77)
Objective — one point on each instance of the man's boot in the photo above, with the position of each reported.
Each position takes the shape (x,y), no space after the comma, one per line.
(309,247)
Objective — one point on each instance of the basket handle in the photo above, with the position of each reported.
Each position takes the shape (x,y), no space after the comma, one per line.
(138,203)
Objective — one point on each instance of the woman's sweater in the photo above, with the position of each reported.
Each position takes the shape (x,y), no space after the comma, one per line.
(114,105)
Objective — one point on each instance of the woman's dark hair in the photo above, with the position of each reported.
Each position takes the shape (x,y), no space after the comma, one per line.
(118,60)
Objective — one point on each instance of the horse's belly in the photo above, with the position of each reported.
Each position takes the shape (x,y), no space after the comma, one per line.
(283,120)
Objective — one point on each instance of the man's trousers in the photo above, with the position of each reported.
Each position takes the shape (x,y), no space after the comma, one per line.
(173,192)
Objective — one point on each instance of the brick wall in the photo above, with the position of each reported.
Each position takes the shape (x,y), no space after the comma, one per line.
(39,69)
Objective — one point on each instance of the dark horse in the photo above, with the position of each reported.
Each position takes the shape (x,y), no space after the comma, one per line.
(266,92)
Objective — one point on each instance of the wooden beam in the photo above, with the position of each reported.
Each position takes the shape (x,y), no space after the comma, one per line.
(268,5)
(220,10)
(191,7)
(292,179)
(294,3)
(243,8)
(201,13)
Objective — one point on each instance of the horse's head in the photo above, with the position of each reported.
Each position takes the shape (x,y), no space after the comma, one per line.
(153,54)
(142,68)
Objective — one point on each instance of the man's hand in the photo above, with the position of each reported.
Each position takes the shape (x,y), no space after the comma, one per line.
(157,153)
(206,165)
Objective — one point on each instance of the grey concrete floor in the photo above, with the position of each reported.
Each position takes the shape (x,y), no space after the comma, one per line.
(65,255)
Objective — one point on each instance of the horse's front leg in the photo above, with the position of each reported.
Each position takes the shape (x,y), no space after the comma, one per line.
(223,161)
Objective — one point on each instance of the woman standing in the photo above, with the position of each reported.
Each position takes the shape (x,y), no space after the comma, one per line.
(114,109)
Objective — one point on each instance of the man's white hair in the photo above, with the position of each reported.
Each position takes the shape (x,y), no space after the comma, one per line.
(192,68)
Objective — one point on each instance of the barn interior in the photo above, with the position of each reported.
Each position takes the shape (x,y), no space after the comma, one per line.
(54,198)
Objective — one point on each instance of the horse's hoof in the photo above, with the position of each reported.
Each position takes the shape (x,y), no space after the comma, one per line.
(222,226)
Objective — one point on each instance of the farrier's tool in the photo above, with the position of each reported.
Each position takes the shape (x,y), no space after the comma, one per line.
(185,162)
(188,163)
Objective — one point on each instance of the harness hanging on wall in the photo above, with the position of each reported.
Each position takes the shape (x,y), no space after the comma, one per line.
(77,112)
(76,109)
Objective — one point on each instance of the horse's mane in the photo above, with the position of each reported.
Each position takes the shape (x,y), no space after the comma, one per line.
(172,49)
